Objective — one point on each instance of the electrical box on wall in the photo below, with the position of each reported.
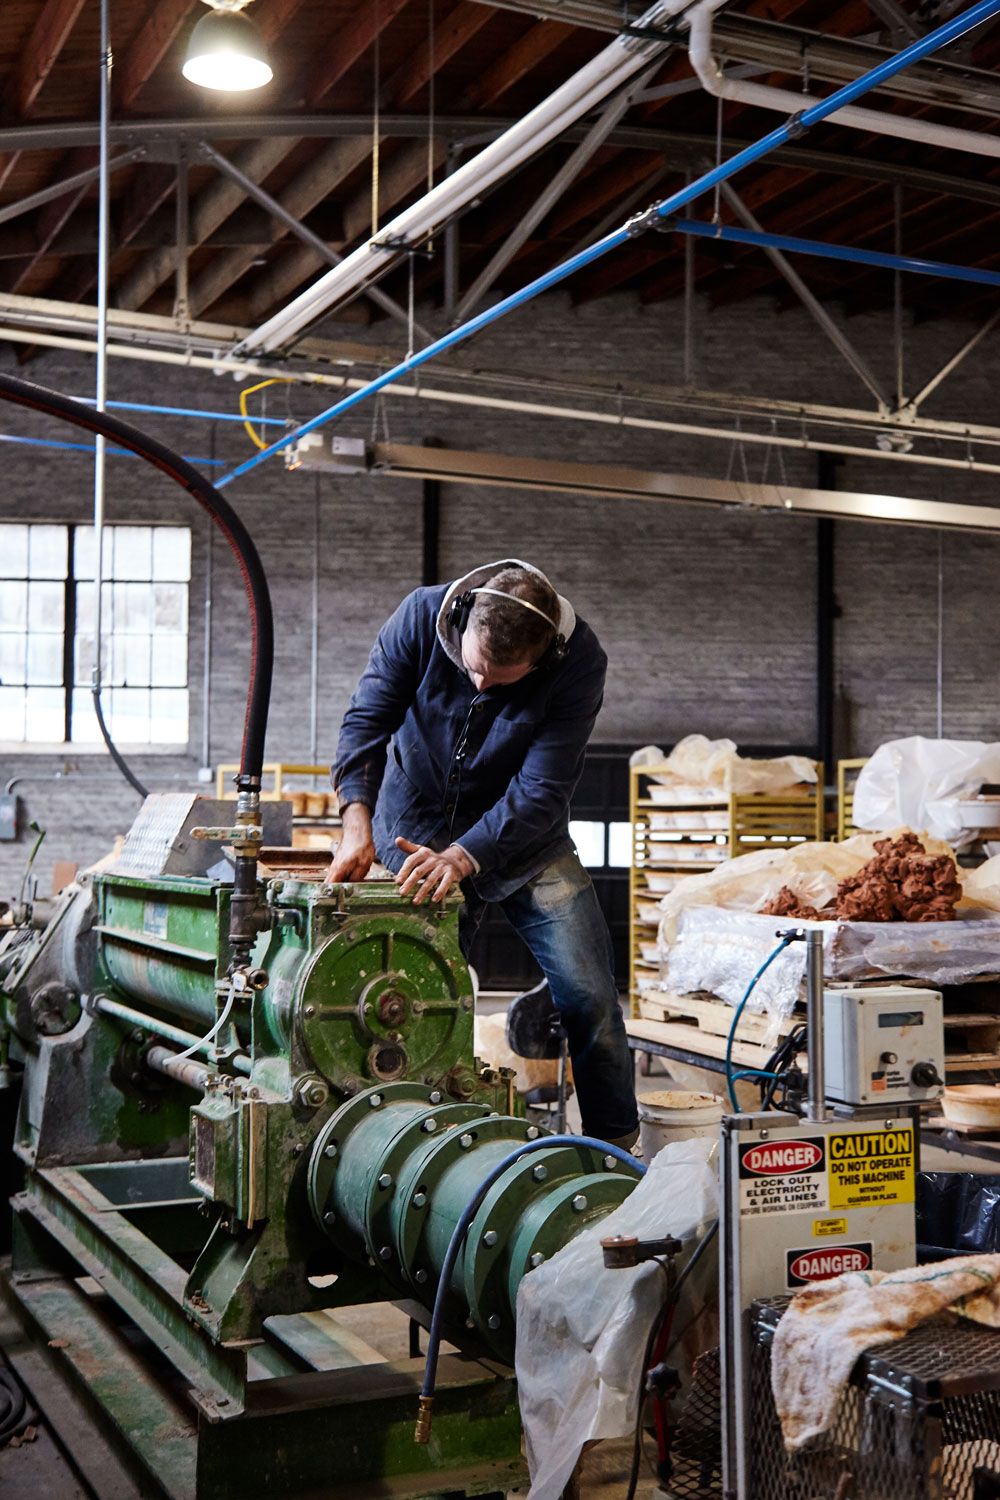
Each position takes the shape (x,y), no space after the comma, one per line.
(8,818)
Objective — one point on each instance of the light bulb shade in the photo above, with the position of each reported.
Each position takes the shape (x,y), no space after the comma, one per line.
(226,51)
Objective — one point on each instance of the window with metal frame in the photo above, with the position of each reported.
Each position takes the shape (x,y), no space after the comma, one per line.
(48,624)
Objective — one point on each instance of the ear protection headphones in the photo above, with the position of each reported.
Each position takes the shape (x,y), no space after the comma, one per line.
(461,608)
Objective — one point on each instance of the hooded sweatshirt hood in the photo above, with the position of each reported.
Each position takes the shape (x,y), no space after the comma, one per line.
(450,638)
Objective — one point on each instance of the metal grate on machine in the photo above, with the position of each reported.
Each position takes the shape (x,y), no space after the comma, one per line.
(920,1420)
(696,1448)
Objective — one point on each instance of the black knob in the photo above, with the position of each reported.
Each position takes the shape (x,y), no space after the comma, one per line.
(924,1075)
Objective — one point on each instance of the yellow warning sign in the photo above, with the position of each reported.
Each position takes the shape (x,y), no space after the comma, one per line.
(824,1227)
(869,1167)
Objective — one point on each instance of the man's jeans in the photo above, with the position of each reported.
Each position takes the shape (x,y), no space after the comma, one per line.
(558,916)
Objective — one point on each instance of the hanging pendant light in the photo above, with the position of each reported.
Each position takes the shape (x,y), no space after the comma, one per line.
(226,51)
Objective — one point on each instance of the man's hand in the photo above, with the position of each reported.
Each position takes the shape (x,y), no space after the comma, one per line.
(429,873)
(355,854)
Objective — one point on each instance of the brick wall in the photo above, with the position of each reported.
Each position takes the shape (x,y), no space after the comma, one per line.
(708,616)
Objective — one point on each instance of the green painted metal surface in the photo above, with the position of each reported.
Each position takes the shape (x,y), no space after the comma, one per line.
(322,1161)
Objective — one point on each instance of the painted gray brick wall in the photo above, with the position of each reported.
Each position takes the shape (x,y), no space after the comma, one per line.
(707,616)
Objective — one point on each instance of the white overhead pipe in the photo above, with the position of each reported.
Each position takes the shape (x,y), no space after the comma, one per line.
(788,102)
(733,435)
(593,83)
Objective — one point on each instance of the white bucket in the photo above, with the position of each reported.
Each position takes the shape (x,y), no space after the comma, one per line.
(676,1115)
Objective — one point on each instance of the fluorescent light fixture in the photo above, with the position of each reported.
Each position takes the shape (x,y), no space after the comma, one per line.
(227,52)
(343,455)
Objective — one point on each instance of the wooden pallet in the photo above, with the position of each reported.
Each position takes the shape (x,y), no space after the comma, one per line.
(700,1023)
(710,1014)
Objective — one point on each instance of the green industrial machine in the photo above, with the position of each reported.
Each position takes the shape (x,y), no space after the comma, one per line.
(248,1100)
(229,1152)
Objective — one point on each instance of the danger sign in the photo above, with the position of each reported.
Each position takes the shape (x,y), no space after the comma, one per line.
(805,1266)
(783,1176)
(781,1158)
(871,1167)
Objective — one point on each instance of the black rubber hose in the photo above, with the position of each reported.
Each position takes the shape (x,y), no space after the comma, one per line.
(39,398)
(113,749)
(13,1407)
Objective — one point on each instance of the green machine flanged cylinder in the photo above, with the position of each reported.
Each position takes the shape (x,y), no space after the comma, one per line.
(393,1169)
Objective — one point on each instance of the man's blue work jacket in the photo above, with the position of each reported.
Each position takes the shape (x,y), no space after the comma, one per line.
(492,771)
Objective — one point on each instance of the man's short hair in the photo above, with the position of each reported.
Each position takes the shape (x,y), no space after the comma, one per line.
(506,632)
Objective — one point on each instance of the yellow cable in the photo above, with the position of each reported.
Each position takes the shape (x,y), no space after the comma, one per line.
(248,391)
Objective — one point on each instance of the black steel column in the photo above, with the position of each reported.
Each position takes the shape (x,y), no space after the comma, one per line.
(827,611)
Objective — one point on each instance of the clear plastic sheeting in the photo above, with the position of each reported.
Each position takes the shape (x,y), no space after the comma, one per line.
(922,782)
(720,951)
(582,1329)
(716,766)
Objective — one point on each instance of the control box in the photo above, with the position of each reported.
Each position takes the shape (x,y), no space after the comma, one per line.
(883,1044)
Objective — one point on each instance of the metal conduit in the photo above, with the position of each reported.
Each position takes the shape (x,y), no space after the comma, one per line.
(105,1006)
(958,26)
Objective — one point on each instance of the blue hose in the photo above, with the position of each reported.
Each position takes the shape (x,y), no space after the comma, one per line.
(730,1079)
(923,47)
(461,1229)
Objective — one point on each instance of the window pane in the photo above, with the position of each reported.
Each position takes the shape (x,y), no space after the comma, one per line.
(46,714)
(13,551)
(11,713)
(170,606)
(45,661)
(129,715)
(12,654)
(85,552)
(84,670)
(169,717)
(172,552)
(619,845)
(47,556)
(132,608)
(13,606)
(85,730)
(169,661)
(130,661)
(589,840)
(45,606)
(133,552)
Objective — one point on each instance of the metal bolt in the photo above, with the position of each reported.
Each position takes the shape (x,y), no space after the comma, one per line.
(610,1162)
(532,1132)
(374,1101)
(222,1401)
(536,1260)
(493,1322)
(467,1002)
(310,1010)
(539,1173)
(385,1181)
(330,1150)
(298,1148)
(429,1126)
(579,1203)
(419,1199)
(490,1238)
(253,1093)
(470,1322)
(385,1253)
(418,1007)
(763,1134)
(465,1141)
(420,1277)
(436,1096)
(329,1217)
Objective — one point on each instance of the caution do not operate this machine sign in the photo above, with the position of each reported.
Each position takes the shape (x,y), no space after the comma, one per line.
(872,1167)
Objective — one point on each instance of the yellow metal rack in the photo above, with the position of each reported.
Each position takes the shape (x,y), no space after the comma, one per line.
(847,775)
(674,837)
(314,826)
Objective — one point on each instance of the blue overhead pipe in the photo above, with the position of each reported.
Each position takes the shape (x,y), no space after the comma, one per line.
(857,254)
(794,127)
